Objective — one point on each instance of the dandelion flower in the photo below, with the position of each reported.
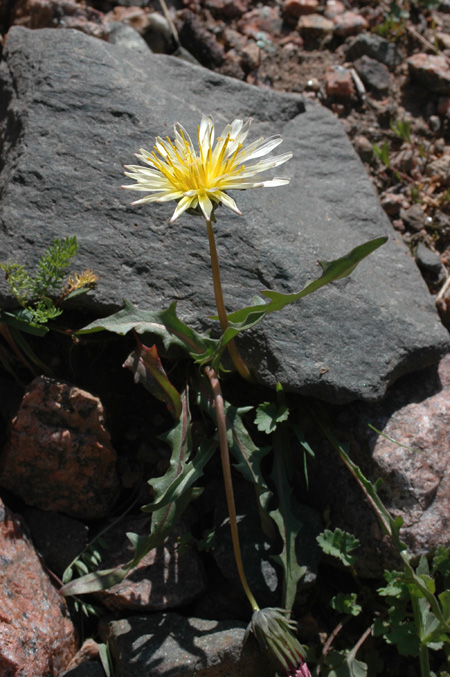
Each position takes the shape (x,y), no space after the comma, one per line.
(200,180)
(275,634)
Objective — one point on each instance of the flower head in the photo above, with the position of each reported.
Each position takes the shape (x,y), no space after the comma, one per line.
(275,634)
(200,180)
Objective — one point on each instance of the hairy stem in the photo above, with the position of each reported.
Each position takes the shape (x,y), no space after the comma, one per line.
(226,469)
(221,310)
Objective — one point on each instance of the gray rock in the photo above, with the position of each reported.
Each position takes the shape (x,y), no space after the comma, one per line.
(374,74)
(126,36)
(164,645)
(376,47)
(166,577)
(429,262)
(68,124)
(413,217)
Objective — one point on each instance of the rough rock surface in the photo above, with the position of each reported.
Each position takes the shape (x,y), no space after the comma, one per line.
(170,644)
(36,634)
(167,577)
(59,454)
(412,460)
(74,109)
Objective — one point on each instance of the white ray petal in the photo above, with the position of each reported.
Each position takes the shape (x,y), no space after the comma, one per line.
(181,207)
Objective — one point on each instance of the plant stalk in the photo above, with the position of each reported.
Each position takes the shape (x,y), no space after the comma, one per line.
(226,469)
(238,362)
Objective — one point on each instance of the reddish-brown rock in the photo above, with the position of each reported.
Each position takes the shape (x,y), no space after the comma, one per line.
(349,23)
(297,8)
(314,26)
(339,82)
(59,454)
(59,14)
(36,634)
(430,70)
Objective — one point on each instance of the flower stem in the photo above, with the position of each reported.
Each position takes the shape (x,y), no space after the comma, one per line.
(221,310)
(226,469)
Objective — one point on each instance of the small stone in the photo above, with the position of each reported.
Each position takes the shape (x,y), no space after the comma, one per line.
(229,9)
(296,8)
(135,17)
(429,262)
(262,23)
(435,123)
(376,47)
(36,634)
(374,74)
(349,23)
(334,8)
(443,40)
(413,218)
(59,454)
(441,169)
(126,36)
(430,70)
(54,14)
(339,82)
(364,148)
(392,203)
(314,26)
(251,56)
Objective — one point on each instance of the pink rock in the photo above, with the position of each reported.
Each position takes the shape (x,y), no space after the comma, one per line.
(314,26)
(440,168)
(413,463)
(59,454)
(59,14)
(349,23)
(334,8)
(230,9)
(417,479)
(339,82)
(296,8)
(136,17)
(430,70)
(36,634)
(262,19)
(167,577)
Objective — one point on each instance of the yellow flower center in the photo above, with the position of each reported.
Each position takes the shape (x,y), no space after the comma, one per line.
(201,173)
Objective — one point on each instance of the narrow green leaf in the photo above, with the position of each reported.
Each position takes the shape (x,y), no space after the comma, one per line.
(95,581)
(331,271)
(146,366)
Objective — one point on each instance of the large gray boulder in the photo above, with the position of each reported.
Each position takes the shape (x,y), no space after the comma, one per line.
(74,109)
